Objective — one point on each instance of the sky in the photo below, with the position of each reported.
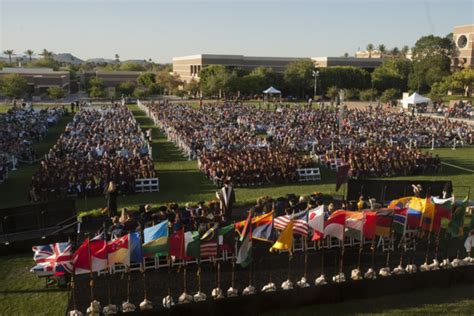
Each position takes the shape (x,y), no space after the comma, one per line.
(161,30)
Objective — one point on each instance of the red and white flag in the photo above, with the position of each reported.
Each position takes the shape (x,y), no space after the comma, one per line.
(334,226)
(316,222)
(90,256)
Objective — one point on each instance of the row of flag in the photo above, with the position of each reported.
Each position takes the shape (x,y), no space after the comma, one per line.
(96,254)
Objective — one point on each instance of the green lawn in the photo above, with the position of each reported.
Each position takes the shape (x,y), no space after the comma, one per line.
(22,293)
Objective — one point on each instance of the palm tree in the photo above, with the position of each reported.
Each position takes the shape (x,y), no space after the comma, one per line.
(29,53)
(9,52)
(346,54)
(117,58)
(47,54)
(382,50)
(395,52)
(370,48)
(405,50)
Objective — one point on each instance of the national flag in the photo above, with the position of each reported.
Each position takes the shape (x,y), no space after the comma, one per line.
(383,222)
(263,227)
(369,224)
(90,256)
(399,223)
(227,238)
(316,222)
(469,243)
(285,240)
(456,225)
(156,240)
(125,249)
(209,242)
(300,225)
(177,246)
(354,224)
(334,226)
(247,225)
(400,203)
(428,214)
(342,175)
(192,244)
(53,259)
(416,206)
(442,209)
(244,255)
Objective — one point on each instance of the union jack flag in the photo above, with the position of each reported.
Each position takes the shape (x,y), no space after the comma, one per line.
(53,259)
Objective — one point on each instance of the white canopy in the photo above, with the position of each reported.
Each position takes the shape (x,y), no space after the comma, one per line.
(272,90)
(415,98)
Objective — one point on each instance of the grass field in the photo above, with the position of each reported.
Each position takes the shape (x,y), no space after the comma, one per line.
(21,293)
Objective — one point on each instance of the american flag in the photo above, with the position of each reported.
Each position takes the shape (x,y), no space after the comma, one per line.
(300,223)
(208,249)
(55,258)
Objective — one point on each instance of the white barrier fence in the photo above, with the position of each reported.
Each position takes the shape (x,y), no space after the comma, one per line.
(309,174)
(147,185)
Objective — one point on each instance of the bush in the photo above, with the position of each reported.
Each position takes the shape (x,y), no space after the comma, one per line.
(390,95)
(351,94)
(368,95)
(140,93)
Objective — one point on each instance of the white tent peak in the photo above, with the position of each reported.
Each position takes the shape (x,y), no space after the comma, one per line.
(271,90)
(415,98)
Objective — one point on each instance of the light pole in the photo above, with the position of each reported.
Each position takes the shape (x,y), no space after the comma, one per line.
(315,75)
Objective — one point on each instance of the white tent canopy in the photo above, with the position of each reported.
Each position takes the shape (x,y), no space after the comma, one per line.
(415,98)
(269,92)
(272,90)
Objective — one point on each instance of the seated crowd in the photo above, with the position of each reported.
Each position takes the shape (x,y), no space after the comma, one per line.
(257,146)
(458,110)
(97,146)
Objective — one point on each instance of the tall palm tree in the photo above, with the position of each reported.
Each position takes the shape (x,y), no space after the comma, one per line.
(370,48)
(395,52)
(9,52)
(47,54)
(382,50)
(29,53)
(405,50)
(346,54)
(117,58)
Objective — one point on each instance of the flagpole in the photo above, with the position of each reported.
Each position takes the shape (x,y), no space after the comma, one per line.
(305,257)
(322,255)
(91,275)
(341,259)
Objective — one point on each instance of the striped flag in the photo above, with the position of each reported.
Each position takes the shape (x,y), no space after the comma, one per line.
(399,223)
(300,223)
(209,242)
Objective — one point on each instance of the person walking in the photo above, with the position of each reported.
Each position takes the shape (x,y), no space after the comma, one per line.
(111,198)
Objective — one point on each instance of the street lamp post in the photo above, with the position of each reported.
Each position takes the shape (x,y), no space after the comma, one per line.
(315,75)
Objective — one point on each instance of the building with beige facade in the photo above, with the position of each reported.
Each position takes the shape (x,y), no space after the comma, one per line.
(40,79)
(189,67)
(463,37)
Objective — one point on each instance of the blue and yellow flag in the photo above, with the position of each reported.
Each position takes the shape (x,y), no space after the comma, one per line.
(156,240)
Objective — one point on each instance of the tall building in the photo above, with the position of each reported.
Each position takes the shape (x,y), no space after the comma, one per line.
(463,37)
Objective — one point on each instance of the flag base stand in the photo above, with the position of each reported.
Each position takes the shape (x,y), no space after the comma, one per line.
(146,305)
(217,294)
(457,263)
(356,275)
(287,285)
(398,270)
(74,313)
(249,290)
(385,272)
(270,287)
(168,302)
(468,260)
(110,309)
(435,265)
(370,274)
(302,283)
(185,298)
(199,297)
(425,267)
(94,308)
(411,268)
(339,278)
(128,307)
(232,292)
(321,280)
(446,264)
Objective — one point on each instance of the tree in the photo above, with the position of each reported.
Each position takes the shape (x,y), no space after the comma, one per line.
(126,88)
(9,52)
(368,94)
(332,93)
(463,79)
(390,95)
(29,53)
(165,82)
(298,77)
(370,48)
(47,54)
(131,66)
(146,79)
(56,93)
(393,73)
(346,54)
(117,58)
(96,87)
(192,87)
(429,46)
(351,94)
(215,80)
(382,50)
(344,77)
(405,50)
(440,89)
(140,93)
(395,52)
(13,86)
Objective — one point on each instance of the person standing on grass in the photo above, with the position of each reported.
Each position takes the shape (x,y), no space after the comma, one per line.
(111,198)
(226,196)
